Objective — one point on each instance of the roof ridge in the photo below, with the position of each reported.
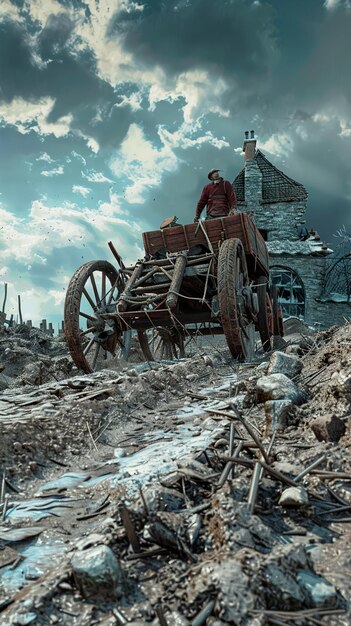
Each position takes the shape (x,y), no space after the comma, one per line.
(287,178)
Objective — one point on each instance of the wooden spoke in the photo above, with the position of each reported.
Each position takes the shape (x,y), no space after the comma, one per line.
(87,353)
(103,288)
(88,346)
(96,354)
(109,300)
(96,293)
(86,332)
(90,300)
(87,317)
(264,313)
(156,344)
(161,343)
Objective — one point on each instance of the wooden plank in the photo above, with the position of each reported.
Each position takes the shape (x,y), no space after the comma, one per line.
(239,226)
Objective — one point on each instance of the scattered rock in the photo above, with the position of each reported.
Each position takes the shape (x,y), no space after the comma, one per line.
(276,412)
(294,325)
(294,497)
(287,364)
(320,591)
(278,342)
(278,387)
(162,499)
(328,428)
(278,573)
(97,572)
(23,619)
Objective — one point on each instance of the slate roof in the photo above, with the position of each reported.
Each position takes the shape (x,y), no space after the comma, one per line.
(276,186)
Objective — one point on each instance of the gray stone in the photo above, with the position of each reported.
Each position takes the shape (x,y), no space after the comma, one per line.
(278,387)
(294,497)
(23,619)
(90,541)
(320,591)
(176,619)
(328,428)
(237,600)
(109,620)
(97,572)
(162,499)
(287,364)
(276,412)
(278,343)
(295,325)
(293,349)
(278,575)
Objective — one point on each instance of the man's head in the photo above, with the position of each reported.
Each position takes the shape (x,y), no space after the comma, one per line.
(214,174)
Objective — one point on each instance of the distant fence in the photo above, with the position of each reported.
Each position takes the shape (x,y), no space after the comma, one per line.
(48,327)
(8,322)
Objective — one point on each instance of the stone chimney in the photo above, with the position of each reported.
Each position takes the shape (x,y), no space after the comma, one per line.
(253,175)
(249,147)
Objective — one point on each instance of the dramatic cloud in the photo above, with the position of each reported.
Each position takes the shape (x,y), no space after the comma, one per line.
(29,116)
(113,111)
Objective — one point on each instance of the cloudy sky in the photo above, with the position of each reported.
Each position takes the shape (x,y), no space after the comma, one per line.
(113,111)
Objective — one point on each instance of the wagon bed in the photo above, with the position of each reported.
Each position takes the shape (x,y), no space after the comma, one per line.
(239,226)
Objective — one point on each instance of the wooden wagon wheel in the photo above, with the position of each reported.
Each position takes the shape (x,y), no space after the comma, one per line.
(278,322)
(92,290)
(237,324)
(265,314)
(161,343)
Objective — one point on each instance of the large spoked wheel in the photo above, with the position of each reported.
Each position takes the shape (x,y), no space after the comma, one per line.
(161,343)
(233,277)
(265,314)
(92,341)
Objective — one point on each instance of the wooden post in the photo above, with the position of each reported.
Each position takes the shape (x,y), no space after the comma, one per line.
(178,273)
(20,310)
(115,254)
(5,298)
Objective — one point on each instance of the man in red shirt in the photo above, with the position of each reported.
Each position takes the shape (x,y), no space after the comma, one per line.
(219,197)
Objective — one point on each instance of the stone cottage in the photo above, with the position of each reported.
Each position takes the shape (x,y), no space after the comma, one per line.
(298,259)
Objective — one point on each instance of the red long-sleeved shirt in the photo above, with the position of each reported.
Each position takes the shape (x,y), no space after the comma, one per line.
(219,198)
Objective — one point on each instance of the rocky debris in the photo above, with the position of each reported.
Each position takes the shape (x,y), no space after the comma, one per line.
(226,533)
(276,412)
(278,387)
(29,356)
(294,496)
(281,363)
(290,581)
(328,428)
(296,326)
(57,416)
(97,572)
(157,498)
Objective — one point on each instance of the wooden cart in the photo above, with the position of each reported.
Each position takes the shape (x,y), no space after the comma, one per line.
(207,278)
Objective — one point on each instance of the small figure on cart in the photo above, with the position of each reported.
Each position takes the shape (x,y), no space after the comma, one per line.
(218,197)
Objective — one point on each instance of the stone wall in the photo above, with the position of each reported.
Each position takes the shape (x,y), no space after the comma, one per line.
(311,270)
(280,219)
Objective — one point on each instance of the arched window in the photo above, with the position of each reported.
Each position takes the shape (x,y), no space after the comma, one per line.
(291,291)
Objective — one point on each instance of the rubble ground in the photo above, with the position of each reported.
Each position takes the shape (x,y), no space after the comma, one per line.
(199,491)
